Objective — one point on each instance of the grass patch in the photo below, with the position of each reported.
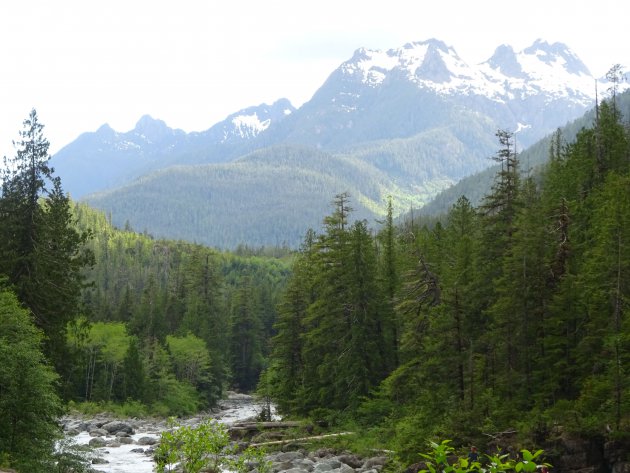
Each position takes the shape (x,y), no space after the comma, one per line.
(124,410)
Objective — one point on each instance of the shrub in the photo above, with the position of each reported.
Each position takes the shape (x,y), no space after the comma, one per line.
(204,447)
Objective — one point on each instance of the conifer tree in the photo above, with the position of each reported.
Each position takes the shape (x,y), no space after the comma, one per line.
(459,277)
(43,252)
(133,372)
(245,336)
(389,274)
(286,371)
(326,325)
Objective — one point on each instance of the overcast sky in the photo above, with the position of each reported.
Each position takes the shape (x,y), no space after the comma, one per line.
(83,63)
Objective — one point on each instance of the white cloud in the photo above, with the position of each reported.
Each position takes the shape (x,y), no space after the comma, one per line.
(82,63)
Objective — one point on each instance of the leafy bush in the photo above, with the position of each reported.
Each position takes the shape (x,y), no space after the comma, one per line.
(193,448)
(70,457)
(442,458)
(179,398)
(29,405)
(204,447)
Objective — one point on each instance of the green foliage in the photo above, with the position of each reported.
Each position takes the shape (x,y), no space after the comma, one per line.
(509,315)
(134,378)
(123,410)
(335,338)
(245,336)
(443,458)
(177,300)
(193,448)
(205,447)
(190,358)
(70,457)
(251,457)
(43,254)
(29,405)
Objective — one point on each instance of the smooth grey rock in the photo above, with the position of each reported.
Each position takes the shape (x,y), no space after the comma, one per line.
(289,456)
(98,433)
(344,469)
(281,466)
(322,453)
(375,461)
(97,442)
(306,464)
(322,467)
(117,426)
(333,462)
(353,461)
(147,441)
(83,426)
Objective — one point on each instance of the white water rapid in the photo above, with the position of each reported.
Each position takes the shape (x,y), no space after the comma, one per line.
(132,458)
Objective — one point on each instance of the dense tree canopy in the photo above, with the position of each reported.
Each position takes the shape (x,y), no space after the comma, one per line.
(43,253)
(512,313)
(509,314)
(29,405)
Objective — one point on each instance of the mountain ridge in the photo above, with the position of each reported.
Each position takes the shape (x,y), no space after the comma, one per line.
(416,118)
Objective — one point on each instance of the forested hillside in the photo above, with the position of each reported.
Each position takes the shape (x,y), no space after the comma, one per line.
(533,159)
(409,121)
(267,198)
(95,315)
(155,295)
(509,316)
(272,196)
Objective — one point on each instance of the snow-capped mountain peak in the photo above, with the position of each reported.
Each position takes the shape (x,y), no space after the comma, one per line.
(429,60)
(542,67)
(557,54)
(433,65)
(505,62)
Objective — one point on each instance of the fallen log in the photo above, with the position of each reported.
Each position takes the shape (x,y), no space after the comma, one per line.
(301,440)
(266,425)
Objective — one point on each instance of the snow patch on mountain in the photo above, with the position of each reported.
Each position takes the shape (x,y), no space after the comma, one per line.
(371,66)
(550,68)
(248,126)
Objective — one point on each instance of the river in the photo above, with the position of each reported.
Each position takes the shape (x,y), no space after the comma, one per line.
(128,458)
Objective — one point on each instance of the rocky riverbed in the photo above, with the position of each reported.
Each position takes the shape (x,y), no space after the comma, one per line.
(127,446)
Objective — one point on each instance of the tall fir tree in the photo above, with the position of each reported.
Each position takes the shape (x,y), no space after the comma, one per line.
(43,252)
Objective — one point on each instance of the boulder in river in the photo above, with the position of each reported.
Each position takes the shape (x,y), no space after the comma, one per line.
(117,426)
(147,441)
(97,442)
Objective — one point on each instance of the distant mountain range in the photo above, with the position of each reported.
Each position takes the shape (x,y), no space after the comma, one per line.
(106,158)
(406,122)
(532,161)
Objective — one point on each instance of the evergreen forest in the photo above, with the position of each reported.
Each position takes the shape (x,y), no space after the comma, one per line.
(92,315)
(506,315)
(509,316)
